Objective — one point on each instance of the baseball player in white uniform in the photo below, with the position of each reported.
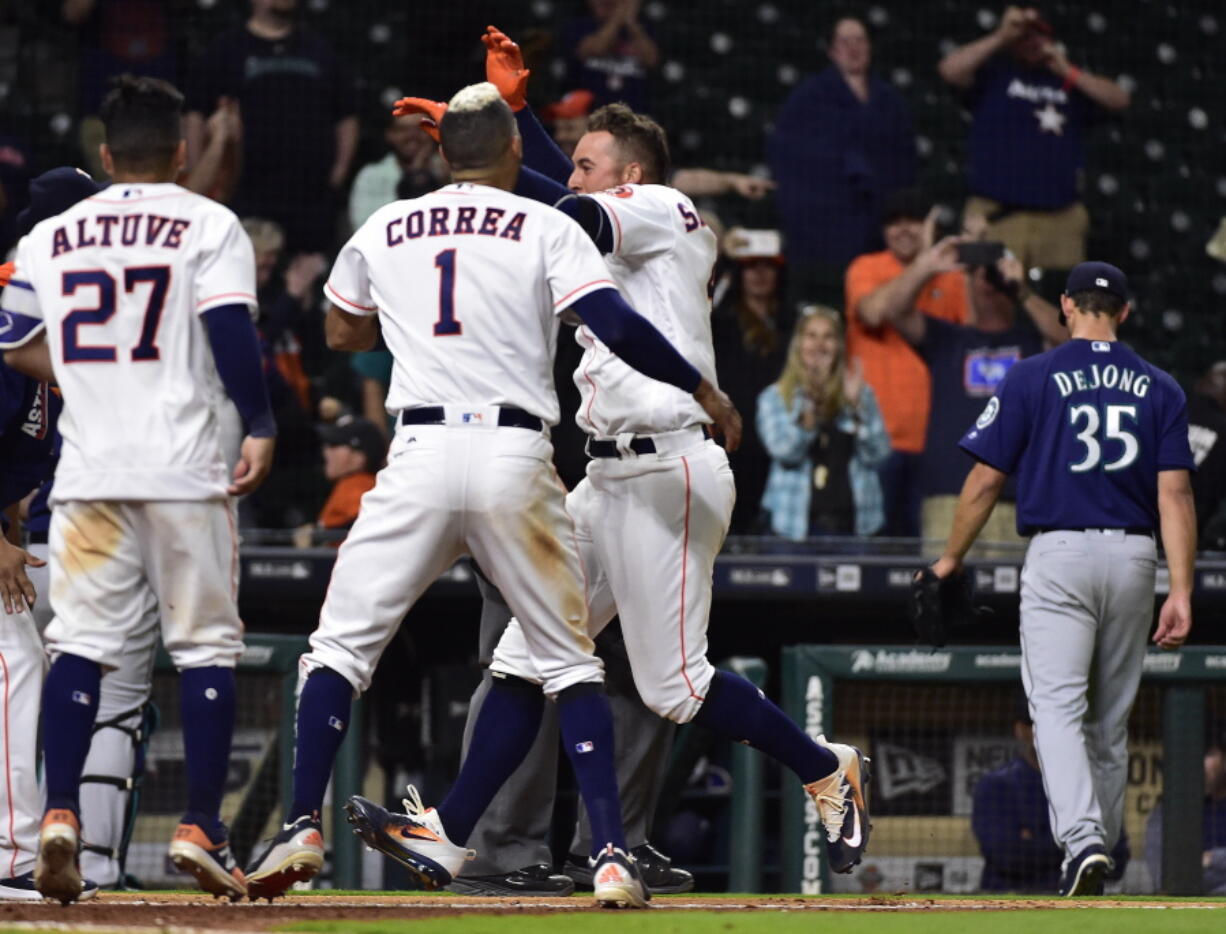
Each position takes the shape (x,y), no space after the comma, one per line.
(468,284)
(654,469)
(138,302)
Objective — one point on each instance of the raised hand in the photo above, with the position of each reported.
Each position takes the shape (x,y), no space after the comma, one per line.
(431,111)
(504,67)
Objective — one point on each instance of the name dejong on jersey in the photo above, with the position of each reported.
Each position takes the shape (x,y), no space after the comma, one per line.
(1086,427)
(468,282)
(119,282)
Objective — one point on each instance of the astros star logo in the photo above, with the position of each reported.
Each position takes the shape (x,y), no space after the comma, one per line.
(1050,120)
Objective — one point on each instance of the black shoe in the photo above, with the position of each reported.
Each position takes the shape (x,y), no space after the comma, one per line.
(539,880)
(657,870)
(1085,874)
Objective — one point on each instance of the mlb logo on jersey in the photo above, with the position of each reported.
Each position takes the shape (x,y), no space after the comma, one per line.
(983,369)
(470,417)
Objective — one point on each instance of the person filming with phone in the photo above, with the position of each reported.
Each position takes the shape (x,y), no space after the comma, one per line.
(966,362)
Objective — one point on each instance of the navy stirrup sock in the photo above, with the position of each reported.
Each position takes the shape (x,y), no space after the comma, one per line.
(505,730)
(323,720)
(587,733)
(70,705)
(207,699)
(738,710)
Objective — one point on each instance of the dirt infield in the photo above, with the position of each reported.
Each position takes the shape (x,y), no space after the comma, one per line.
(112,911)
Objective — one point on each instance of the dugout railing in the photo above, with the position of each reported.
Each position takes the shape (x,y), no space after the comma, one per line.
(936,720)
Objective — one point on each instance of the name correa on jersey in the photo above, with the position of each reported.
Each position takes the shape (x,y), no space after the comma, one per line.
(443,222)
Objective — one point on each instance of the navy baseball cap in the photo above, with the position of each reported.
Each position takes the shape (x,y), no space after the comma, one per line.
(54,192)
(1102,276)
(361,434)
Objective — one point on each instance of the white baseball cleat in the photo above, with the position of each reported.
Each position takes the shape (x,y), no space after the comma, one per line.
(842,803)
(295,854)
(616,881)
(415,839)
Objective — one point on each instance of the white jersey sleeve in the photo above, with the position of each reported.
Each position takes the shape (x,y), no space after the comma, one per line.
(642,223)
(22,316)
(573,266)
(348,285)
(225,273)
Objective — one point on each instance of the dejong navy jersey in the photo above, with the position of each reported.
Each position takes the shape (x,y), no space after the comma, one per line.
(120,281)
(662,259)
(1086,427)
(468,282)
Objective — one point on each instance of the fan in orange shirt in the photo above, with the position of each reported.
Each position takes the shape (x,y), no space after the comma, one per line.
(354,449)
(909,272)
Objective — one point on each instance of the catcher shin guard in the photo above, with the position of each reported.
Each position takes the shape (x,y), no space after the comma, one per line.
(110,791)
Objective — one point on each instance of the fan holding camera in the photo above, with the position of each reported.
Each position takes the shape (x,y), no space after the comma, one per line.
(1031,109)
(966,362)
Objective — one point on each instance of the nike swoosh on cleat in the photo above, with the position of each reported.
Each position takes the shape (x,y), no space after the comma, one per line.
(854,839)
(420,833)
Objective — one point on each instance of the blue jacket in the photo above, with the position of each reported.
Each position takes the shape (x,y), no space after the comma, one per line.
(786,497)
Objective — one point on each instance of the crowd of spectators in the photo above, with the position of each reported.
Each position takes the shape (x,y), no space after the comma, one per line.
(851,414)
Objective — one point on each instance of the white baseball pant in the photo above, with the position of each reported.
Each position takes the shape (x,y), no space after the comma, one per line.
(449,490)
(112,751)
(110,561)
(649,527)
(22,667)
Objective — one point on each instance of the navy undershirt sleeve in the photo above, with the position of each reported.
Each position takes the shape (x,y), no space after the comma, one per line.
(236,351)
(635,339)
(590,215)
(540,151)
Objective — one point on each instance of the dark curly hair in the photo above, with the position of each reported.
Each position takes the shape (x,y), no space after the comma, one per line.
(640,139)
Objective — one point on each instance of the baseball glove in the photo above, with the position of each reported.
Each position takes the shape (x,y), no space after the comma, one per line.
(432,111)
(941,605)
(504,68)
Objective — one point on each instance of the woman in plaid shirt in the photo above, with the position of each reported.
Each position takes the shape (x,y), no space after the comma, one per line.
(822,427)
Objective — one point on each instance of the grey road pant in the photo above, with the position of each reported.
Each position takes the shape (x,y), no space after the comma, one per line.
(514,831)
(1087,606)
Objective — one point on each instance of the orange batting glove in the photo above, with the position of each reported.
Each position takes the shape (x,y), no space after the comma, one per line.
(432,111)
(504,68)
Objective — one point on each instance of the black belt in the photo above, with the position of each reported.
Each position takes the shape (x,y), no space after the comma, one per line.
(642,445)
(508,417)
(1128,530)
(36,538)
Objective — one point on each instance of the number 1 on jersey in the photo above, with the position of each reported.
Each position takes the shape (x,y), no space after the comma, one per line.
(446,325)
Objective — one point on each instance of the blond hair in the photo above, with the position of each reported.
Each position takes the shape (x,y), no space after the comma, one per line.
(830,397)
(266,236)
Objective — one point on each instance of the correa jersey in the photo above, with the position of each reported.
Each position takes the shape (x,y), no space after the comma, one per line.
(468,282)
(662,259)
(1087,427)
(119,281)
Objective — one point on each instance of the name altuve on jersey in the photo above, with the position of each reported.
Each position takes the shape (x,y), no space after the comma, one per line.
(100,230)
(1109,377)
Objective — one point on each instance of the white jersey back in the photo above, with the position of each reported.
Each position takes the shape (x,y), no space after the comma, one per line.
(468,282)
(120,281)
(662,259)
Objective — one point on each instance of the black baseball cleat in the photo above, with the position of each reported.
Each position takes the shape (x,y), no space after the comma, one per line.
(1085,872)
(415,839)
(294,854)
(842,803)
(538,881)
